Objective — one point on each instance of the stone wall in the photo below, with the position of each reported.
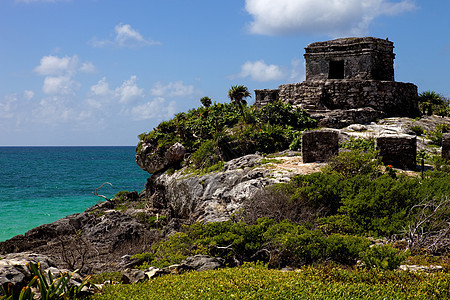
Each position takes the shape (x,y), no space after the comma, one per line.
(446,146)
(364,58)
(319,145)
(266,96)
(393,98)
(398,151)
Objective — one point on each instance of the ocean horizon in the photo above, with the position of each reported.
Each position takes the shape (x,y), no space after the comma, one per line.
(41,184)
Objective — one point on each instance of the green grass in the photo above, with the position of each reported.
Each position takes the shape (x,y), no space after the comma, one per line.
(309,283)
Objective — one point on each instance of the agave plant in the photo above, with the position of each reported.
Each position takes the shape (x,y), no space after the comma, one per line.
(50,288)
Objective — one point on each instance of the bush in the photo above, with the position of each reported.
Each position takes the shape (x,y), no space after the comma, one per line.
(355,162)
(436,135)
(277,243)
(222,132)
(206,155)
(359,144)
(417,129)
(382,257)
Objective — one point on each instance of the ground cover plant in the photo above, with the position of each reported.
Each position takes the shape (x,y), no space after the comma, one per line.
(258,282)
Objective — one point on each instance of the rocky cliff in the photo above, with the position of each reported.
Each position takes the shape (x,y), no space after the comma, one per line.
(104,236)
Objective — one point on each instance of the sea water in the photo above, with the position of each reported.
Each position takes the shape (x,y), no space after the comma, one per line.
(39,185)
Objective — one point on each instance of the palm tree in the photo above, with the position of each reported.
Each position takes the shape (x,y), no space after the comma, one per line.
(206,101)
(237,94)
(427,100)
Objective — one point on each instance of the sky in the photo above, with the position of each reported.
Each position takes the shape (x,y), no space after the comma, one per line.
(101,72)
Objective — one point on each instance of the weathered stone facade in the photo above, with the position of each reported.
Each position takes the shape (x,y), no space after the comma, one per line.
(364,58)
(319,145)
(266,96)
(398,151)
(446,146)
(350,75)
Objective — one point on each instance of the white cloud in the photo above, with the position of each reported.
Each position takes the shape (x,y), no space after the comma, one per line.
(60,73)
(87,67)
(101,88)
(7,106)
(158,108)
(298,73)
(60,85)
(172,89)
(28,95)
(129,91)
(330,17)
(125,36)
(259,71)
(54,110)
(54,65)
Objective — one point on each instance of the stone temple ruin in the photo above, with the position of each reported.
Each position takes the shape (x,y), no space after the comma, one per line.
(348,80)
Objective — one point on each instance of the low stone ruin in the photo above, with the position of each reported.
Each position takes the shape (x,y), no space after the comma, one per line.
(398,151)
(319,145)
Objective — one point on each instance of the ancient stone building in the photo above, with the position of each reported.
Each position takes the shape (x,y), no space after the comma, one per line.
(349,80)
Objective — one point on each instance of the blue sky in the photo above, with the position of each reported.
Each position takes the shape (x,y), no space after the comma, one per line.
(100,72)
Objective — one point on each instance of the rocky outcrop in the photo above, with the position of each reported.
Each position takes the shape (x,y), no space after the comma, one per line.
(14,273)
(91,241)
(215,196)
(152,159)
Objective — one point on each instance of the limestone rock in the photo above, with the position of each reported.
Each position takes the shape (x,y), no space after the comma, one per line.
(153,272)
(14,272)
(130,276)
(214,196)
(192,263)
(95,239)
(153,160)
(203,263)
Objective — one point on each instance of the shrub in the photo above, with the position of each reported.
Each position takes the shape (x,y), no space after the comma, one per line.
(359,144)
(382,257)
(355,162)
(417,129)
(277,243)
(436,135)
(225,131)
(206,155)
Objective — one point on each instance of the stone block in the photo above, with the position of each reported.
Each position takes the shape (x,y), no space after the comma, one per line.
(398,150)
(319,145)
(446,146)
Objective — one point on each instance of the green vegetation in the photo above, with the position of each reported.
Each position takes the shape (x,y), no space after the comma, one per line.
(49,288)
(222,132)
(101,278)
(436,135)
(289,244)
(359,144)
(431,102)
(417,129)
(257,282)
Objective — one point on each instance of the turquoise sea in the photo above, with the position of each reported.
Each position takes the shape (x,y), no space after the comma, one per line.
(39,185)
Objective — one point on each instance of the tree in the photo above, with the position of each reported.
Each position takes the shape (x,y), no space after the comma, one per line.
(206,101)
(429,100)
(237,94)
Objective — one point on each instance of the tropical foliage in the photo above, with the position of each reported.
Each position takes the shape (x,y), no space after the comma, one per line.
(431,102)
(219,133)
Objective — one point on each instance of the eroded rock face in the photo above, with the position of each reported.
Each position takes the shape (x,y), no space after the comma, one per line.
(215,196)
(153,160)
(94,240)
